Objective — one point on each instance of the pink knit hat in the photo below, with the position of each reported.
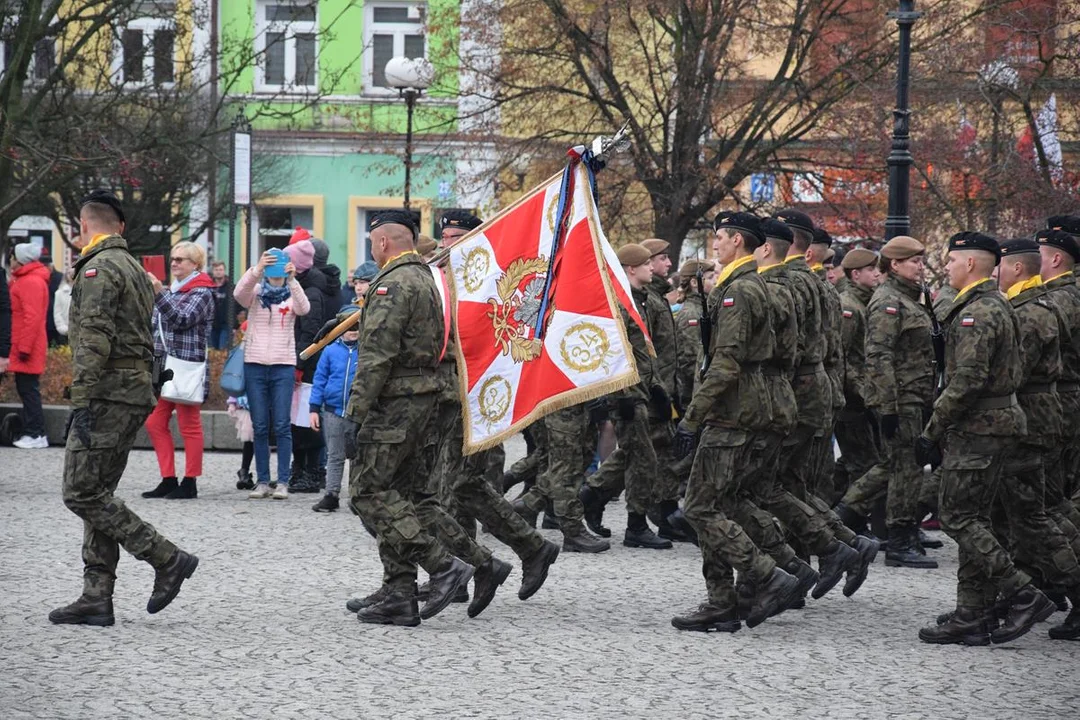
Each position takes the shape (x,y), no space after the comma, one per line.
(302,255)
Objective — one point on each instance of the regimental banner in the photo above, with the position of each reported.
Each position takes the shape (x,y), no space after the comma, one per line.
(509,377)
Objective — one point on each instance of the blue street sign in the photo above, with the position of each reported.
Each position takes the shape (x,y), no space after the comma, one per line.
(762,187)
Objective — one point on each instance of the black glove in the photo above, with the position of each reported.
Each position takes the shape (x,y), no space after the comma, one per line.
(890,426)
(81,422)
(660,402)
(352,444)
(625,408)
(684,442)
(598,411)
(927,452)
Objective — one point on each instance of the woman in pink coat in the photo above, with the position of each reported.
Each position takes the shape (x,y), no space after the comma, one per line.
(29,343)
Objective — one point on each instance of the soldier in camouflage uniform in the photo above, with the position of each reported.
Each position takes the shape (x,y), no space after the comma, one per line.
(899,386)
(976,422)
(687,331)
(111,396)
(855,427)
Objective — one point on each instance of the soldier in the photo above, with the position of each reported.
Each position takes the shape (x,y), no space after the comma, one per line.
(729,409)
(633,463)
(834,270)
(824,460)
(855,427)
(687,330)
(111,397)
(899,386)
(1036,539)
(975,423)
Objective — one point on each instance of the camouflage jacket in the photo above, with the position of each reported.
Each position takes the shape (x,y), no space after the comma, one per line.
(662,329)
(688,343)
(112,348)
(982,368)
(646,363)
(1065,294)
(732,394)
(401,336)
(853,304)
(943,301)
(834,345)
(1040,356)
(899,352)
(813,389)
(780,367)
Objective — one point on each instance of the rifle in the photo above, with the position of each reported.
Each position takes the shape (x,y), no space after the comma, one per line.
(937,337)
(704,323)
(332,335)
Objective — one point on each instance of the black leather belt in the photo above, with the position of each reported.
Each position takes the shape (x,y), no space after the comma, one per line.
(809,369)
(998,402)
(1033,388)
(127,364)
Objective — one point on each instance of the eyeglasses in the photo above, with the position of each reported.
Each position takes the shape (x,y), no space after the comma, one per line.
(177,259)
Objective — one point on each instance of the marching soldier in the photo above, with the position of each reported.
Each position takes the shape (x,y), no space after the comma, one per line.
(976,422)
(111,396)
(816,254)
(687,330)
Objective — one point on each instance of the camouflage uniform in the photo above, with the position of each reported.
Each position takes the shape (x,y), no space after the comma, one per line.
(661,324)
(112,356)
(832,318)
(899,380)
(732,408)
(978,421)
(688,340)
(568,459)
(1063,488)
(855,429)
(529,468)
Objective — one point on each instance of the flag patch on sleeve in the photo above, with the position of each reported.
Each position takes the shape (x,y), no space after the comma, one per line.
(729,302)
(92,272)
(692,323)
(383,290)
(967,322)
(848,313)
(890,310)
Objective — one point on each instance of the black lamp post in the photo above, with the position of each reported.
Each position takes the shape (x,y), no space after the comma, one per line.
(899,220)
(410,77)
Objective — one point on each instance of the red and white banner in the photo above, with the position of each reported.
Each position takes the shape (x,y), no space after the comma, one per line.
(508,377)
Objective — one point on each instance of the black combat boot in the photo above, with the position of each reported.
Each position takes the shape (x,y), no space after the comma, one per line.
(525,512)
(677,520)
(867,548)
(833,562)
(577,539)
(928,541)
(396,608)
(328,503)
(168,578)
(707,618)
(1027,607)
(509,480)
(1068,630)
(664,528)
(244,480)
(534,571)
(85,611)
(594,502)
(901,552)
(639,535)
(805,574)
(486,581)
(858,523)
(461,596)
(358,604)
(446,582)
(963,626)
(185,491)
(774,595)
(166,486)
(744,597)
(550,521)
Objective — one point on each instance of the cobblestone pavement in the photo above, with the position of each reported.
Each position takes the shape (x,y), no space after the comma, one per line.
(261,630)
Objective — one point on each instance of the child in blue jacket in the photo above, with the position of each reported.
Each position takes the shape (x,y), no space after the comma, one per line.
(330,391)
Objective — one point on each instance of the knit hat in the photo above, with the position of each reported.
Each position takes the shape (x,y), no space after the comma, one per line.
(322,252)
(27,253)
(366,271)
(302,255)
(299,235)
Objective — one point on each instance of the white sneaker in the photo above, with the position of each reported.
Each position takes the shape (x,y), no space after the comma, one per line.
(262,490)
(281,492)
(32,443)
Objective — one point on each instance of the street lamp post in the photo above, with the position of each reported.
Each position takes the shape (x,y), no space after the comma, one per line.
(410,77)
(898,221)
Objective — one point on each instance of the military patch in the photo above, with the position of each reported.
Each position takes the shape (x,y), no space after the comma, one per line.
(692,323)
(382,290)
(92,272)
(848,314)
(967,322)
(889,310)
(729,302)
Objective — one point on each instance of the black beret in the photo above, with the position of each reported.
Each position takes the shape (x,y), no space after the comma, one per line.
(720,216)
(460,219)
(969,240)
(744,222)
(773,228)
(395,217)
(796,219)
(1068,223)
(104,197)
(837,259)
(1061,240)
(821,237)
(1018,246)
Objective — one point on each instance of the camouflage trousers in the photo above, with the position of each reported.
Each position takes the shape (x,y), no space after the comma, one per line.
(1064,512)
(799,472)
(856,434)
(632,465)
(469,496)
(715,504)
(91,475)
(807,526)
(897,474)
(970,480)
(1036,542)
(567,459)
(666,483)
(529,468)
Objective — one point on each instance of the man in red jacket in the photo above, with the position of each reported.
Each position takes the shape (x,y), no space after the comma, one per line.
(29,303)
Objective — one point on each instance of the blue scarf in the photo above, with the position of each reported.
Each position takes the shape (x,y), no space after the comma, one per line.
(271,295)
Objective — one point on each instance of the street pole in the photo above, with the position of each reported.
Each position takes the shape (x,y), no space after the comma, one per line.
(900,160)
(410,96)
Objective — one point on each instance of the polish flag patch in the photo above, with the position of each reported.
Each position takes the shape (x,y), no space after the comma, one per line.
(889,310)
(848,314)
(692,323)
(382,290)
(967,322)
(729,302)
(92,272)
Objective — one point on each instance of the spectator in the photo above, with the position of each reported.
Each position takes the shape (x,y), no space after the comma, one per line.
(5,323)
(221,332)
(62,305)
(273,299)
(183,315)
(332,273)
(361,279)
(29,340)
(330,390)
(56,278)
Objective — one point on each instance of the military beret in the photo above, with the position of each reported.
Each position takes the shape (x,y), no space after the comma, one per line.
(366,271)
(655,246)
(743,222)
(1068,223)
(426,244)
(395,217)
(830,255)
(1061,240)
(835,257)
(902,247)
(795,219)
(774,229)
(821,237)
(632,255)
(1018,247)
(859,258)
(970,240)
(720,216)
(691,267)
(460,219)
(105,197)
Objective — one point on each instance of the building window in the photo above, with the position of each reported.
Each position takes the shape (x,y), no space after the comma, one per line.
(286,37)
(41,66)
(391,30)
(276,224)
(145,52)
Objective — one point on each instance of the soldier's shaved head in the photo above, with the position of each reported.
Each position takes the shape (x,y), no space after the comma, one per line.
(968,266)
(390,240)
(100,217)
